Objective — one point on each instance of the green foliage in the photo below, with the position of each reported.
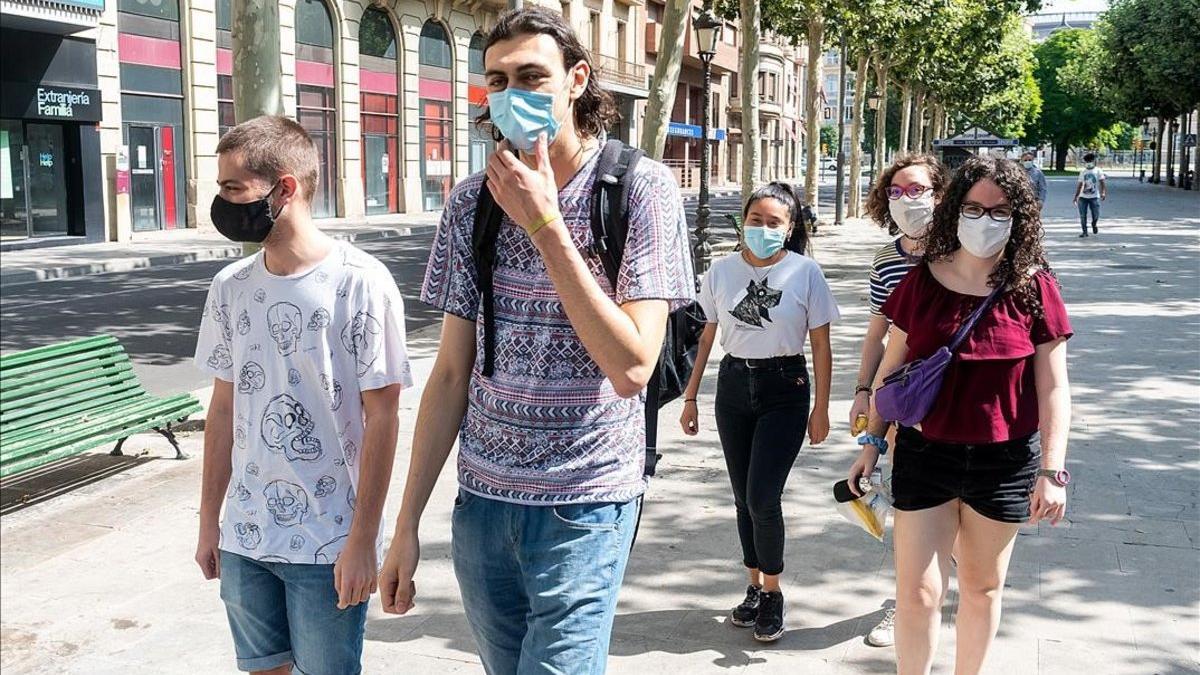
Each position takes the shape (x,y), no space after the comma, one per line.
(829,139)
(1149,58)
(1119,136)
(1069,115)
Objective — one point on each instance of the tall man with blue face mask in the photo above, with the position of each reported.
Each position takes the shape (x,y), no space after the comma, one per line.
(551,429)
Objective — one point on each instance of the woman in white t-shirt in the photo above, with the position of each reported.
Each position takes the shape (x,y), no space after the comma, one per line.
(766,300)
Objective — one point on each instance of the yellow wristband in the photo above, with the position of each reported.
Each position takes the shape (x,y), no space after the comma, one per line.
(542,222)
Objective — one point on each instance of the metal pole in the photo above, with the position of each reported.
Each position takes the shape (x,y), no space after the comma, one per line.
(702,252)
(515,4)
(840,188)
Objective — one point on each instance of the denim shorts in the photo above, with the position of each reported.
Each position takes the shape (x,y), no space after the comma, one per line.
(994,479)
(284,613)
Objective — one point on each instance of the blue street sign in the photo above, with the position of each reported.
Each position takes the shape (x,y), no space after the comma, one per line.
(693,131)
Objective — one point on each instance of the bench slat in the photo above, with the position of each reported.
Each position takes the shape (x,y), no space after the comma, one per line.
(8,468)
(114,371)
(99,367)
(14,408)
(57,419)
(67,403)
(55,350)
(113,421)
(41,366)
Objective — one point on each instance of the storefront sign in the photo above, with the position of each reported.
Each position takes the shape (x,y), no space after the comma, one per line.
(51,102)
(122,170)
(694,131)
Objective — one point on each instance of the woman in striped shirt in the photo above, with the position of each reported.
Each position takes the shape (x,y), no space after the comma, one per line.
(902,201)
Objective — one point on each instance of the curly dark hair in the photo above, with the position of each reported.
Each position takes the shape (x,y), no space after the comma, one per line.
(1023,253)
(789,196)
(595,109)
(877,198)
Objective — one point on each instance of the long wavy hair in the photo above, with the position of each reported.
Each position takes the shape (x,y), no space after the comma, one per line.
(787,195)
(1023,254)
(595,110)
(877,198)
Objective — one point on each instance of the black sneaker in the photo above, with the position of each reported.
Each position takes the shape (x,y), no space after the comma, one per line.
(1083,236)
(769,625)
(1095,230)
(745,614)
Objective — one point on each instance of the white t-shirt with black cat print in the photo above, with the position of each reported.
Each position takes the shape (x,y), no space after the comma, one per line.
(299,351)
(764,312)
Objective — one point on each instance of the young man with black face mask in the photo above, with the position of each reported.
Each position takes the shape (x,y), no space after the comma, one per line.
(552,442)
(305,342)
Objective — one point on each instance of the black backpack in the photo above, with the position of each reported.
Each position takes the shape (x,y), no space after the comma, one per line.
(610,224)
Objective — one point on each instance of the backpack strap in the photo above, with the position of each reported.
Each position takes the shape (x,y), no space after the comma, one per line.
(610,205)
(483,249)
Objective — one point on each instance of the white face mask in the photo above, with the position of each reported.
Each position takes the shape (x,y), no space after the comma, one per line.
(912,216)
(983,237)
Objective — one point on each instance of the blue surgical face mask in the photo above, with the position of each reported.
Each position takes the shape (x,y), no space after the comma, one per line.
(521,116)
(763,241)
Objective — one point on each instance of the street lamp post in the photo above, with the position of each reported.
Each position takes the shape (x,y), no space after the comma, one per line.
(873,104)
(840,189)
(708,33)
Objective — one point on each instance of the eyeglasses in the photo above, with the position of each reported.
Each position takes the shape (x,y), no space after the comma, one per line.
(913,191)
(999,214)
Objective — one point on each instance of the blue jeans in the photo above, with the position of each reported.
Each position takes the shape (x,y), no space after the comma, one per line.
(284,613)
(1088,204)
(539,583)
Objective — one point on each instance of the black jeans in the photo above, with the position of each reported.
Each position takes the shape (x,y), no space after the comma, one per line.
(762,416)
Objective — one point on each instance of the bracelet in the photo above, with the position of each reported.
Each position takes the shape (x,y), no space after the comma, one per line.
(542,222)
(861,388)
(878,441)
(689,400)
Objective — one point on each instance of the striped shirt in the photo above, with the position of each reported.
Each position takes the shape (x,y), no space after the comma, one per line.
(889,267)
(547,428)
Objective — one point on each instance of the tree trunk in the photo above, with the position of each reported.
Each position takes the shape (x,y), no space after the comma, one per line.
(918,140)
(1156,174)
(1060,156)
(816,35)
(1170,141)
(906,96)
(1196,156)
(936,129)
(661,100)
(257,73)
(854,207)
(881,80)
(751,18)
(1183,156)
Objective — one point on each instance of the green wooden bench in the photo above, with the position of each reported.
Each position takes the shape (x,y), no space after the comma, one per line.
(63,399)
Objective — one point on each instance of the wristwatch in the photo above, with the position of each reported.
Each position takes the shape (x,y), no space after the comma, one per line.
(862,388)
(1061,477)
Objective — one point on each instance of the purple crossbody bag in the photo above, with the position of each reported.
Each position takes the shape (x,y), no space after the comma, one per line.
(907,394)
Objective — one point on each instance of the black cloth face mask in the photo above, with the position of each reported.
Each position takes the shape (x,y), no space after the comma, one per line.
(250,222)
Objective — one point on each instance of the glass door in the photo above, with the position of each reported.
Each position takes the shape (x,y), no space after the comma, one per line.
(47,163)
(143,178)
(14,207)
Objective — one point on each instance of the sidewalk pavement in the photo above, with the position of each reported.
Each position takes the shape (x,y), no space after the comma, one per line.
(101,580)
(157,249)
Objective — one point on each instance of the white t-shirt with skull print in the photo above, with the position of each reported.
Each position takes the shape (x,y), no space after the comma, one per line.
(299,350)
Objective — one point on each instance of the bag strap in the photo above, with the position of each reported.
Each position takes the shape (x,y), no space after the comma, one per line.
(610,205)
(483,249)
(974,318)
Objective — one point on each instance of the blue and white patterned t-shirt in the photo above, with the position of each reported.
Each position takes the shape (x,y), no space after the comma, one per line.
(547,427)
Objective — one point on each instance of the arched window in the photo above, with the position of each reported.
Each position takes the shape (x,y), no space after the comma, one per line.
(437,115)
(481,142)
(316,103)
(378,87)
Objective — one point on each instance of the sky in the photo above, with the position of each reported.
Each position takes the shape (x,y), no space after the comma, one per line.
(1074,5)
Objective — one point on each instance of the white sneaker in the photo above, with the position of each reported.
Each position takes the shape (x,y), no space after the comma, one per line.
(884,634)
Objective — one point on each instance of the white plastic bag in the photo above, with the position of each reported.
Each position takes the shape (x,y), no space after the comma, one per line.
(870,511)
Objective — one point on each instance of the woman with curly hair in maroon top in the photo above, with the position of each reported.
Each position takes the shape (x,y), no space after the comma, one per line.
(991,452)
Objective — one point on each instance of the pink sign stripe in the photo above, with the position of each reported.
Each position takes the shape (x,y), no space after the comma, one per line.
(224,62)
(147,51)
(436,90)
(379,83)
(319,74)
